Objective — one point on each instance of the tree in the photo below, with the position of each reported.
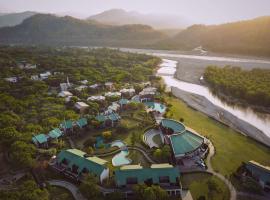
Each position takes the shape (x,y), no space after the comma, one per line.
(9,135)
(158,154)
(22,154)
(107,135)
(153,192)
(30,191)
(89,187)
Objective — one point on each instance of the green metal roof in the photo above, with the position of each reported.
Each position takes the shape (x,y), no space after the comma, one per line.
(76,157)
(176,126)
(185,142)
(67,124)
(143,174)
(112,116)
(81,122)
(55,133)
(123,101)
(259,171)
(40,138)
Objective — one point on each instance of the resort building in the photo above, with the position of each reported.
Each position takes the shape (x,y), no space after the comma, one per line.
(109,85)
(84,82)
(147,94)
(113,108)
(128,92)
(109,119)
(24,65)
(94,86)
(65,94)
(45,75)
(76,164)
(96,98)
(82,122)
(81,88)
(112,94)
(34,77)
(164,175)
(81,106)
(66,125)
(40,140)
(55,134)
(184,142)
(259,172)
(12,79)
(123,103)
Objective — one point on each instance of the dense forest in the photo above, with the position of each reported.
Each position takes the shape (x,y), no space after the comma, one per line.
(29,106)
(251,86)
(52,30)
(249,37)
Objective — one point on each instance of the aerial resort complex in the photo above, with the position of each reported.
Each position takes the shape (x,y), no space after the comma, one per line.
(98,123)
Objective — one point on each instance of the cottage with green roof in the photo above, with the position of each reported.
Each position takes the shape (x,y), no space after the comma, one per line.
(108,119)
(82,122)
(259,172)
(66,125)
(40,140)
(76,164)
(55,134)
(164,175)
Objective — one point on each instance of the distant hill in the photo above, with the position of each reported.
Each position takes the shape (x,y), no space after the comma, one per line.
(52,30)
(157,21)
(13,19)
(250,37)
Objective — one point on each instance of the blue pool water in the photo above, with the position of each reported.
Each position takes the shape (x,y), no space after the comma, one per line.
(120,158)
(159,107)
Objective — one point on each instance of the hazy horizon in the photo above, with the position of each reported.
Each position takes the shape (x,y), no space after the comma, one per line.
(195,11)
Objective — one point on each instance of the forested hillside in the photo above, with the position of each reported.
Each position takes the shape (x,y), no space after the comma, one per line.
(12,19)
(251,86)
(249,37)
(29,107)
(52,30)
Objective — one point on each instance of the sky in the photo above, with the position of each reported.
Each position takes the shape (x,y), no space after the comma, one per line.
(197,11)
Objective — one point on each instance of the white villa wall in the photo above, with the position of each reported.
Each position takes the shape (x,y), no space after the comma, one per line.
(104,174)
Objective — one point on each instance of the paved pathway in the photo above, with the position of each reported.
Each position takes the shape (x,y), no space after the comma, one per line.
(69,186)
(143,152)
(210,169)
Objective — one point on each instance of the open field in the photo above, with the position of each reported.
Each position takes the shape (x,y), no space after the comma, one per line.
(198,186)
(232,148)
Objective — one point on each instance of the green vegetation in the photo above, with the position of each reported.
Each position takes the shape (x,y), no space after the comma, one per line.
(52,30)
(59,193)
(28,190)
(204,185)
(31,106)
(231,147)
(251,86)
(143,192)
(244,37)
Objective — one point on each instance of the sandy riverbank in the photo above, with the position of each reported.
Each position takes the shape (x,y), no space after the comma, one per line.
(203,105)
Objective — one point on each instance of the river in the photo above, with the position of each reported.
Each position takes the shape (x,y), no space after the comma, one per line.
(259,120)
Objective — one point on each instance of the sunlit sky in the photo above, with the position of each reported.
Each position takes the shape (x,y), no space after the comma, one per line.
(198,11)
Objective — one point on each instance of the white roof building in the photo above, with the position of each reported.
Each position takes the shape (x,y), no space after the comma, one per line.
(81,87)
(64,86)
(96,98)
(114,107)
(94,86)
(65,94)
(81,106)
(34,77)
(148,90)
(112,94)
(84,82)
(45,75)
(27,66)
(127,90)
(12,79)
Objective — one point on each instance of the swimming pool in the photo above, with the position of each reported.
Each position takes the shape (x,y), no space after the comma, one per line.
(120,158)
(159,107)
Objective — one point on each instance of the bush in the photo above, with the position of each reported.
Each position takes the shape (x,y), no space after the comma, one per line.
(89,142)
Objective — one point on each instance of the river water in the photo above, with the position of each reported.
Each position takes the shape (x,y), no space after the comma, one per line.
(261,121)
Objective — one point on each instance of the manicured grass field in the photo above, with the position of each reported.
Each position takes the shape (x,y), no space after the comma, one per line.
(232,148)
(197,184)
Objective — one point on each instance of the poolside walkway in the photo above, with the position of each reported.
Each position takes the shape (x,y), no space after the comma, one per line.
(143,152)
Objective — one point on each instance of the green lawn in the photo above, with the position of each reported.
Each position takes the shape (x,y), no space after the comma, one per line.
(157,140)
(197,184)
(232,148)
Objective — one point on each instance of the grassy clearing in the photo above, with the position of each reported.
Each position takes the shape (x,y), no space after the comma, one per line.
(58,193)
(232,148)
(157,140)
(197,184)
